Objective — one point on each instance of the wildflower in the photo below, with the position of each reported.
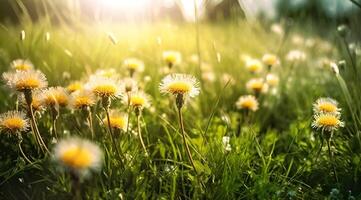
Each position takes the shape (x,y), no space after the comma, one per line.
(78,155)
(334,68)
(133,65)
(247,102)
(117,121)
(106,73)
(270,60)
(227,78)
(104,87)
(296,55)
(171,58)
(128,85)
(327,121)
(21,65)
(74,86)
(183,84)
(55,96)
(226,143)
(82,99)
(254,65)
(272,80)
(137,100)
(326,105)
(25,80)
(13,122)
(278,29)
(257,85)
(208,76)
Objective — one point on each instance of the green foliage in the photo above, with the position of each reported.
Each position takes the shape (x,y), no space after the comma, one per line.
(274,157)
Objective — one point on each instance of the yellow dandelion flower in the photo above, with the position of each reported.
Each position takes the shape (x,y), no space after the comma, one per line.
(183,84)
(133,65)
(25,80)
(270,60)
(172,58)
(104,87)
(254,66)
(55,96)
(326,105)
(247,102)
(21,65)
(257,85)
(82,99)
(117,121)
(74,86)
(272,80)
(326,121)
(13,121)
(78,155)
(137,99)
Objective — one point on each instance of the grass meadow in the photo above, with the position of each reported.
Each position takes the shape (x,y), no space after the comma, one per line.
(278,148)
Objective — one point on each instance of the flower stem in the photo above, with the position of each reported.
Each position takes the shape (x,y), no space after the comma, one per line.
(180,116)
(90,122)
(140,135)
(23,154)
(34,126)
(112,137)
(55,116)
(332,159)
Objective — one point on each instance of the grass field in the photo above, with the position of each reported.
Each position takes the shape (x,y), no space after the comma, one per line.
(271,153)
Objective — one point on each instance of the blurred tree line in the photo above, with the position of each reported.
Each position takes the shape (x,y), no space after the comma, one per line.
(317,10)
